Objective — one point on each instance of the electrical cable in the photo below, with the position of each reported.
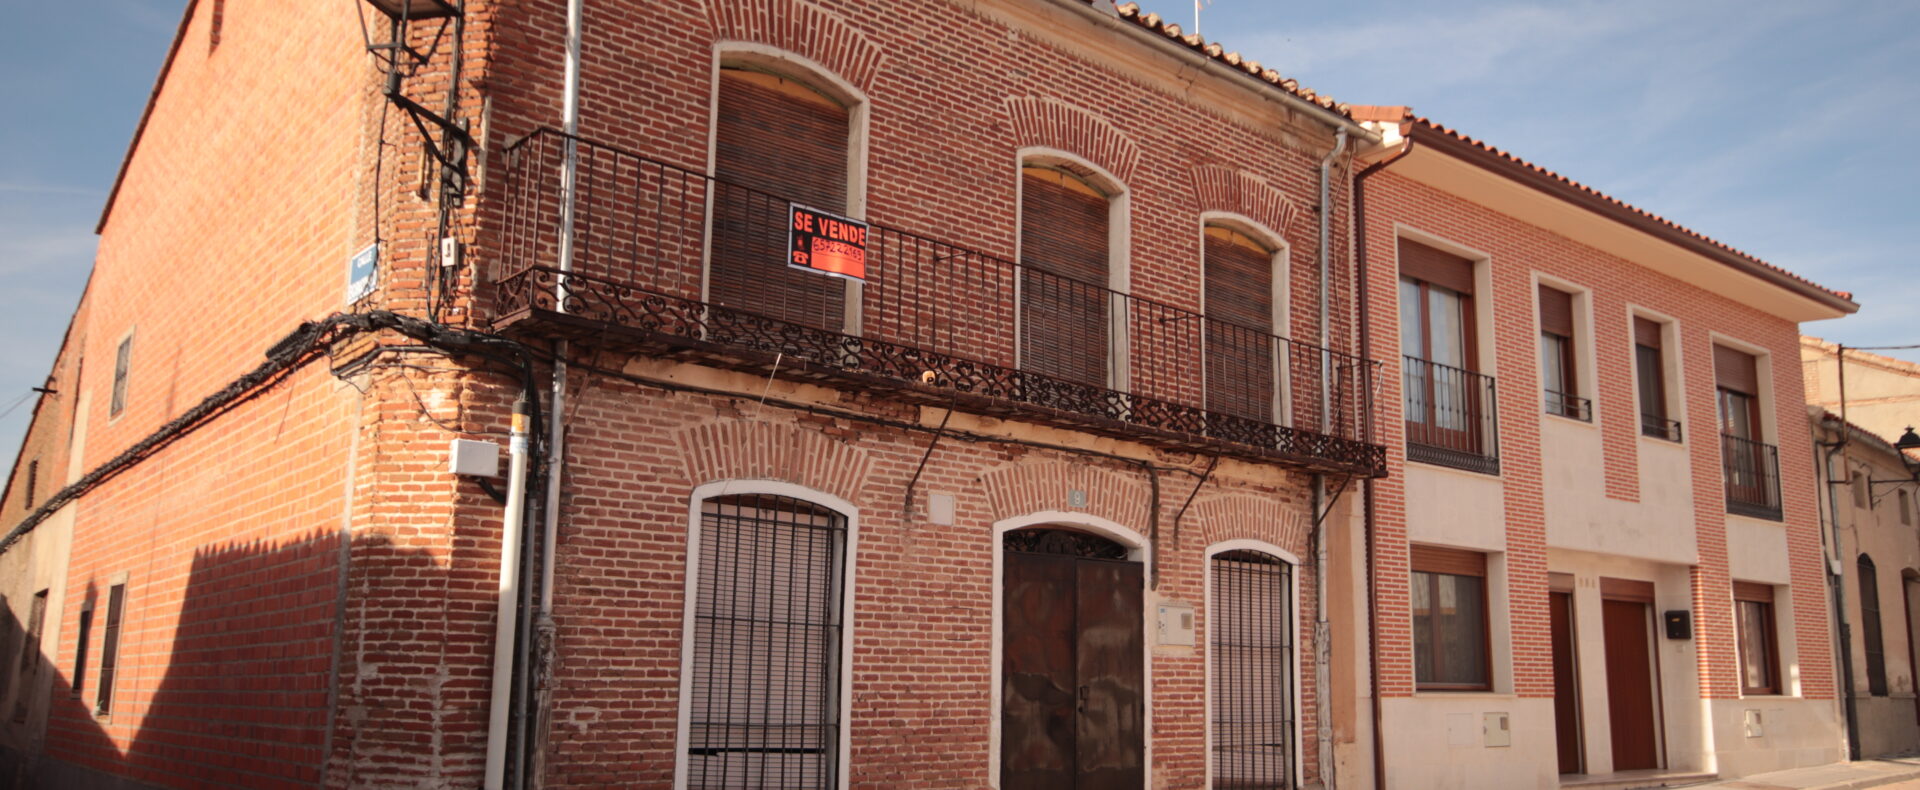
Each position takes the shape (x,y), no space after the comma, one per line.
(16,404)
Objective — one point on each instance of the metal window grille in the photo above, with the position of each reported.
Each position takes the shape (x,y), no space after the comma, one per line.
(110,646)
(765,703)
(1251,641)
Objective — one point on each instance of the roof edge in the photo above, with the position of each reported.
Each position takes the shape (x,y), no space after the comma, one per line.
(1513,168)
(186,18)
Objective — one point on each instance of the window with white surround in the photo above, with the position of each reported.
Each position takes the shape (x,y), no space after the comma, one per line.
(765,684)
(1072,271)
(1244,281)
(1250,647)
(1652,359)
(1561,379)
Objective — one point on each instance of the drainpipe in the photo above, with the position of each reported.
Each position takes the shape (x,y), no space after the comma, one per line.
(1366,353)
(556,431)
(1322,639)
(503,664)
(1836,581)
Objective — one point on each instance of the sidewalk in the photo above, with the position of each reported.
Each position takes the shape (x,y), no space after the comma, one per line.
(1838,776)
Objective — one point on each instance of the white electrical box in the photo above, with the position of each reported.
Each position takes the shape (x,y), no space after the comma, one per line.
(1753,724)
(940,509)
(1498,732)
(1175,624)
(472,458)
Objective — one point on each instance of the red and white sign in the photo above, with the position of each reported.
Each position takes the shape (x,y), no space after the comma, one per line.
(826,243)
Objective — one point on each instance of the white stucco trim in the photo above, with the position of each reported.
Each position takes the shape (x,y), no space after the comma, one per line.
(1138,550)
(690,590)
(1293,602)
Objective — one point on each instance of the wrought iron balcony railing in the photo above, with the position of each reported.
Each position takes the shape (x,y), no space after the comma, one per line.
(1572,407)
(1659,427)
(1450,416)
(1752,471)
(932,322)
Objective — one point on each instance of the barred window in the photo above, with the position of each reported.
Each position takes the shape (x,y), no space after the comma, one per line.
(1250,639)
(764,709)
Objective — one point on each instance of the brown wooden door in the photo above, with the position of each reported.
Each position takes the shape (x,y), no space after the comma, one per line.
(1566,683)
(1630,700)
(1073,708)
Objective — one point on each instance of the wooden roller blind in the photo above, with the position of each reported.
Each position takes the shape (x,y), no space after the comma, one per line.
(1646,332)
(1240,345)
(1736,370)
(1239,279)
(1459,562)
(1556,311)
(1063,289)
(1444,269)
(776,140)
(1626,589)
(1753,591)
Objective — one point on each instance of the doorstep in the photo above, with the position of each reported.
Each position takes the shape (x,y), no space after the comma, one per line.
(1630,780)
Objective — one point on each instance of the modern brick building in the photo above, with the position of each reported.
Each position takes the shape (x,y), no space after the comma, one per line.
(1592,419)
(980,394)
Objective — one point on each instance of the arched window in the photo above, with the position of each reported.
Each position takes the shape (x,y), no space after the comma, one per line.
(764,686)
(777,140)
(1067,307)
(1872,644)
(1250,644)
(1243,360)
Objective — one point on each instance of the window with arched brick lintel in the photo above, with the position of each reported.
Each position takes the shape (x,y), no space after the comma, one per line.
(764,688)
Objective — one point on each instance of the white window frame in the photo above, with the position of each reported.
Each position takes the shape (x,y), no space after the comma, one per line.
(690,593)
(1282,303)
(800,68)
(1119,238)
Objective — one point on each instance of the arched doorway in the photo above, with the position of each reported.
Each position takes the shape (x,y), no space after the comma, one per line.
(1073,699)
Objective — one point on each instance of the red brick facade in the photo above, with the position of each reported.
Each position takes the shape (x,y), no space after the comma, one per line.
(311,596)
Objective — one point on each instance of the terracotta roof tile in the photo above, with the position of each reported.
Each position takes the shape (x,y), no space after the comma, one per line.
(1154,22)
(1483,146)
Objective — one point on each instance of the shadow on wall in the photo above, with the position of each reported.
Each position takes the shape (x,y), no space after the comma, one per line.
(243,695)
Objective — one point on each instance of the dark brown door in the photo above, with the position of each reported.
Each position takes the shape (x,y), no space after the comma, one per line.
(1073,711)
(1566,684)
(1630,700)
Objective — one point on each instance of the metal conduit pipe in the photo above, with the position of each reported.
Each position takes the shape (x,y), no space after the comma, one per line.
(1322,638)
(509,593)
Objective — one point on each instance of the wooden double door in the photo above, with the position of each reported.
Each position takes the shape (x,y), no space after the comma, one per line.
(1073,702)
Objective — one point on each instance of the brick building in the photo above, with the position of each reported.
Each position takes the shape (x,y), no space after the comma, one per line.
(1592,420)
(1071,483)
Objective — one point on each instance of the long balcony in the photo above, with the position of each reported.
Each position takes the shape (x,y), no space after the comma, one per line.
(932,323)
(1752,472)
(1450,416)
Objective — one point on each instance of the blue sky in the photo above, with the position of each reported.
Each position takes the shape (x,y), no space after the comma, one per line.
(1783,129)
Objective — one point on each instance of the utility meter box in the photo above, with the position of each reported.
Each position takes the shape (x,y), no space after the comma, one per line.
(475,459)
(1175,624)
